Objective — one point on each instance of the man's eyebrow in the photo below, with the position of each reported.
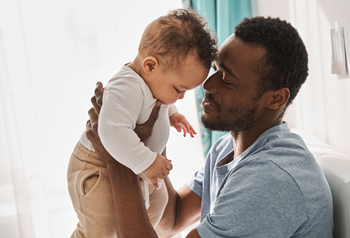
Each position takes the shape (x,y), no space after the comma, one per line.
(228,70)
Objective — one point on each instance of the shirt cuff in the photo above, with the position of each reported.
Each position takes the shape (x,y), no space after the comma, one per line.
(195,186)
(172,110)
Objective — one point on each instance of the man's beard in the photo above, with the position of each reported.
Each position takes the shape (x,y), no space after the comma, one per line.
(237,120)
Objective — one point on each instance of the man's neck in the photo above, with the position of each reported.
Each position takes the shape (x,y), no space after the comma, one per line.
(245,138)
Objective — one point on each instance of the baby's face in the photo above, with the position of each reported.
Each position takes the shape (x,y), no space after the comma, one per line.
(171,85)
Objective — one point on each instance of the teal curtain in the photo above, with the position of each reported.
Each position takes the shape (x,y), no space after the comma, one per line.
(222,17)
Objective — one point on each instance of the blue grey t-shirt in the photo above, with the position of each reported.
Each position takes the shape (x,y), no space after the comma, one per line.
(274,188)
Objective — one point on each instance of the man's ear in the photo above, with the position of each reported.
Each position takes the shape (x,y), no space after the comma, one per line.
(149,64)
(278,98)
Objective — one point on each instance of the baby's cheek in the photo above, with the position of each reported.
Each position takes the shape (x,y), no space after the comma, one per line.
(172,98)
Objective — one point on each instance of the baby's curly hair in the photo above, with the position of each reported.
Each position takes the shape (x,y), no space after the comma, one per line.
(286,61)
(179,33)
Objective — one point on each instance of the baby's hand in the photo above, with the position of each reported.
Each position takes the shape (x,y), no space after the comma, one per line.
(158,169)
(179,122)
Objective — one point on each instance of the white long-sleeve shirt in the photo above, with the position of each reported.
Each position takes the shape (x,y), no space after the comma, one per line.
(127,101)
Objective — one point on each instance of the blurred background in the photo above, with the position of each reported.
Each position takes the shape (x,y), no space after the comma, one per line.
(53,52)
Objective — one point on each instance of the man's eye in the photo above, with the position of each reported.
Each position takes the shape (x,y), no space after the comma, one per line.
(177,90)
(223,79)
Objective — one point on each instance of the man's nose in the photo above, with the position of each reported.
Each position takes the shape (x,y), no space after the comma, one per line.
(211,82)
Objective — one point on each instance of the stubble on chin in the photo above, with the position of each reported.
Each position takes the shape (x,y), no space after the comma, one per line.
(213,125)
(236,120)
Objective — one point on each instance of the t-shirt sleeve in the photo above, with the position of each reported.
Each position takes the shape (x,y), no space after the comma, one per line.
(200,180)
(122,104)
(196,182)
(172,109)
(256,201)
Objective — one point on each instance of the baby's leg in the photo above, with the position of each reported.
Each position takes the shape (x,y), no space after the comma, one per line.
(158,200)
(90,191)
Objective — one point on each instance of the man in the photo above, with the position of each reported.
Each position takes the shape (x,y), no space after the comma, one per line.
(258,181)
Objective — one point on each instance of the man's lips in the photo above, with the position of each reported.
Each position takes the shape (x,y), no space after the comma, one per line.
(207,105)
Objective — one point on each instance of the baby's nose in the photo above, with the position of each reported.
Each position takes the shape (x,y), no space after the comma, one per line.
(181,95)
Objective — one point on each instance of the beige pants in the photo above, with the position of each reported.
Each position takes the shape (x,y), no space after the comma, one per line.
(90,190)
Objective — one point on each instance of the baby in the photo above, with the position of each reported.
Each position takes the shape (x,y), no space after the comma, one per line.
(174,55)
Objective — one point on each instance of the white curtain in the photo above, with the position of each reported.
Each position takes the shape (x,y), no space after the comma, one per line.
(322,106)
(51,55)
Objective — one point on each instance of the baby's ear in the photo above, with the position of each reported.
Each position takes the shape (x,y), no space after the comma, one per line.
(150,64)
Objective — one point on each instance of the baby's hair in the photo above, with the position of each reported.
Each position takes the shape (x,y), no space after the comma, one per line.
(177,34)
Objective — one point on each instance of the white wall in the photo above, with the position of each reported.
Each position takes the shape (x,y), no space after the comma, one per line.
(323,104)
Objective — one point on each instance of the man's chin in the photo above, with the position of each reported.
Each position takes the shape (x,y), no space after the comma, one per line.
(213,124)
(206,122)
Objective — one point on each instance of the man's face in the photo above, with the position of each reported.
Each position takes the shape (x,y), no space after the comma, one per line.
(171,85)
(231,100)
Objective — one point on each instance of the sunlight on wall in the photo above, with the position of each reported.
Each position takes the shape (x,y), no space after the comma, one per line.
(52,54)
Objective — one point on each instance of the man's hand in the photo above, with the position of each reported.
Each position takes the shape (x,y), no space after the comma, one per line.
(180,123)
(96,100)
(143,131)
(94,138)
(92,126)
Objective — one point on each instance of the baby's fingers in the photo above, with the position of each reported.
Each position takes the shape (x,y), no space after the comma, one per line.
(168,165)
(192,131)
(177,126)
(183,128)
(154,182)
(187,126)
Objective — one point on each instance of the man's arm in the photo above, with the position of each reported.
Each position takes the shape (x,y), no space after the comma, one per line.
(182,210)
(131,219)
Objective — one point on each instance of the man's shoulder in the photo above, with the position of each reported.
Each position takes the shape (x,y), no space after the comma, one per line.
(284,160)
(287,152)
(279,145)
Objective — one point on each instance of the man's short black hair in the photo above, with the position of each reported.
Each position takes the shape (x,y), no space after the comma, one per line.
(286,61)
